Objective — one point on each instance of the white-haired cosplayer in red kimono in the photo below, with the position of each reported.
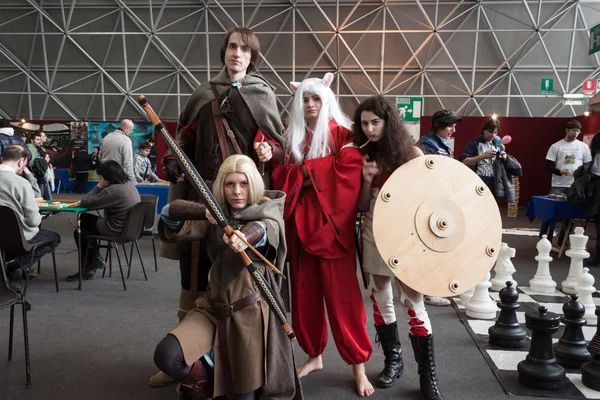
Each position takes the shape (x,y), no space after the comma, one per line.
(321,178)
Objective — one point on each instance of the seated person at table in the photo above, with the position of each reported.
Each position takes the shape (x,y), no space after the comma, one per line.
(115,194)
(16,193)
(563,158)
(142,168)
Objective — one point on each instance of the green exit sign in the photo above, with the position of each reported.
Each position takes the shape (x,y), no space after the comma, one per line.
(409,108)
(547,86)
(594,39)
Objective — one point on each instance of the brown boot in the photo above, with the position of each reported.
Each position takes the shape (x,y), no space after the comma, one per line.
(160,379)
(199,382)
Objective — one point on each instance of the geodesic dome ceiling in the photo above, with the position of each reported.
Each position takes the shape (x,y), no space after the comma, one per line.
(90,59)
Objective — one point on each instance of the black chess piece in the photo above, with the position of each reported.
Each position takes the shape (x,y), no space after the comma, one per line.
(540,370)
(507,332)
(571,349)
(590,371)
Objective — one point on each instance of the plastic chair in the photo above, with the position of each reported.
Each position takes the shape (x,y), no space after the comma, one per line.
(10,298)
(131,233)
(150,223)
(12,240)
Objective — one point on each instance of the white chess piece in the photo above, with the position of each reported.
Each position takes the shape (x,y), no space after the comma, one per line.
(481,305)
(585,288)
(504,268)
(578,254)
(542,281)
(466,296)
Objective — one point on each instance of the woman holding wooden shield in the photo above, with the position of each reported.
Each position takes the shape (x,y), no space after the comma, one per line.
(386,145)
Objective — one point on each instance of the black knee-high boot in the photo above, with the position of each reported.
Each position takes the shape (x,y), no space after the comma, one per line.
(394,365)
(424,356)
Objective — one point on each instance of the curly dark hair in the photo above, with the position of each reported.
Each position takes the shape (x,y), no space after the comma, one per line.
(396,145)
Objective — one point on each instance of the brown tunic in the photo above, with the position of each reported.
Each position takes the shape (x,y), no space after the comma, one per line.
(246,333)
(230,281)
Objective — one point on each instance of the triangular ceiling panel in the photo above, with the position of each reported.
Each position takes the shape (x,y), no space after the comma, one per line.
(189,35)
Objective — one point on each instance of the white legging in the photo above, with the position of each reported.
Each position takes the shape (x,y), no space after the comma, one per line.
(382,297)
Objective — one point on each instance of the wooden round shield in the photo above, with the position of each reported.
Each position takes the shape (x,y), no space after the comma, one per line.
(437,226)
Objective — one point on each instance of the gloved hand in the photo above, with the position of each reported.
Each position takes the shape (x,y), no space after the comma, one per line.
(174,174)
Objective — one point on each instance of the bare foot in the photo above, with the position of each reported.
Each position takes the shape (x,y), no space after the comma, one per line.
(312,364)
(363,385)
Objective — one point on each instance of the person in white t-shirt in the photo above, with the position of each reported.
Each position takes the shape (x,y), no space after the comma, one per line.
(563,158)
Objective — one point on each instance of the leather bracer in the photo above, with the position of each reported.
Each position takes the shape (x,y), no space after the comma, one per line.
(254,232)
(277,158)
(185,210)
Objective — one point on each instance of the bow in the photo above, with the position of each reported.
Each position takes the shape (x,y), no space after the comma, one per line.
(213,207)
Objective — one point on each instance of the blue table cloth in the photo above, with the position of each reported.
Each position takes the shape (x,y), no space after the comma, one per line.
(550,210)
(162,191)
(67,183)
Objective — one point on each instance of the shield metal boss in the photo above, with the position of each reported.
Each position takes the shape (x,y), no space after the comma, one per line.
(437,226)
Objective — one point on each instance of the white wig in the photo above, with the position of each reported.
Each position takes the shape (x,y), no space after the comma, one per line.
(330,109)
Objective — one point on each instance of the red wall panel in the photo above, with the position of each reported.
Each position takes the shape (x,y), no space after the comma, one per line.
(531,139)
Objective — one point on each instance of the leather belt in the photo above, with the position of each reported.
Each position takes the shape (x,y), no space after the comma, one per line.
(223,312)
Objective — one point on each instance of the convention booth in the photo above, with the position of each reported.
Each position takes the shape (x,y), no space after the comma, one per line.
(66,137)
(531,139)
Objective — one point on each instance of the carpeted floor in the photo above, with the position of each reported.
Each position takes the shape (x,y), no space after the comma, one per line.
(98,343)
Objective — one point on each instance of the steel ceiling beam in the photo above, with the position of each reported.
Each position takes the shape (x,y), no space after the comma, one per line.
(453,82)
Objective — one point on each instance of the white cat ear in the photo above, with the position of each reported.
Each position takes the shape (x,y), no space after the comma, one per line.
(327,79)
(294,86)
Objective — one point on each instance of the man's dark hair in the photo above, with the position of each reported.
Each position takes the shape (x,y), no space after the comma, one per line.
(112,172)
(33,136)
(490,125)
(145,146)
(573,124)
(4,123)
(14,153)
(250,39)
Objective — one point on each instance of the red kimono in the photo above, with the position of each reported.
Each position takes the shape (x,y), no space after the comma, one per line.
(320,221)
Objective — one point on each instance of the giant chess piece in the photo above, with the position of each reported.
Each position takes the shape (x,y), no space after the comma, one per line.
(540,370)
(504,268)
(481,305)
(542,281)
(577,254)
(571,348)
(590,371)
(585,288)
(507,332)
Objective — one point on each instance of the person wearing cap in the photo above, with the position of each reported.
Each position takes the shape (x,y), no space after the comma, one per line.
(443,126)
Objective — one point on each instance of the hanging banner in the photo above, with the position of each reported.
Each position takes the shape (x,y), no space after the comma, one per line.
(98,131)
